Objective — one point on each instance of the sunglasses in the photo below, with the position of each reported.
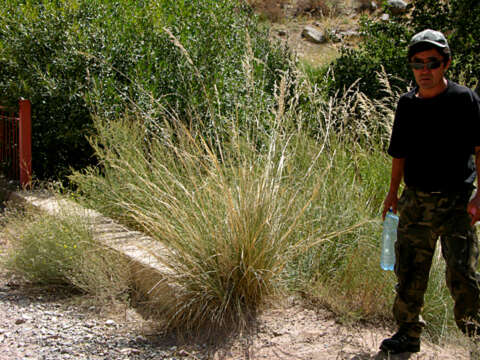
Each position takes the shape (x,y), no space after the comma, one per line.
(430,65)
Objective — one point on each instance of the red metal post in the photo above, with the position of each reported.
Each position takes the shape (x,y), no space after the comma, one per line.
(25,142)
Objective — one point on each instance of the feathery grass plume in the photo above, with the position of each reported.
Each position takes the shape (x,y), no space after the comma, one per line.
(227,218)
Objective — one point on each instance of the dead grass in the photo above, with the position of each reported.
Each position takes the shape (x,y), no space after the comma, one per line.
(273,10)
(282,10)
(318,8)
(59,251)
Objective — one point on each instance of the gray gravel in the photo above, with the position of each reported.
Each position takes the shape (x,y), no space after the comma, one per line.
(41,324)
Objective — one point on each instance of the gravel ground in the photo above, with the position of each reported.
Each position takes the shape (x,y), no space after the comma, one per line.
(39,324)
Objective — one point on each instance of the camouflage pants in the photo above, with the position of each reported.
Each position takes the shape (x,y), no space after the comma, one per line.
(425,217)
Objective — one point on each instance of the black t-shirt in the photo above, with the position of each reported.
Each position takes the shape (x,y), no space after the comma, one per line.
(437,137)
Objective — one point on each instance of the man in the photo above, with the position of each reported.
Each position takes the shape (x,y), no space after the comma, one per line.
(435,145)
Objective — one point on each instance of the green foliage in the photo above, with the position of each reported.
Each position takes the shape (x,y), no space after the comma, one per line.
(464,40)
(38,61)
(70,58)
(430,14)
(385,44)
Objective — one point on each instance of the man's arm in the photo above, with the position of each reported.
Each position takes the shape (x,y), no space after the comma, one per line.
(391,201)
(473,207)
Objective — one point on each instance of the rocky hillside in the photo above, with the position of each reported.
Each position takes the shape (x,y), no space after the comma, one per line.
(316,29)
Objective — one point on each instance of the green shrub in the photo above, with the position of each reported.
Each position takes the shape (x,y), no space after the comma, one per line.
(384,45)
(70,58)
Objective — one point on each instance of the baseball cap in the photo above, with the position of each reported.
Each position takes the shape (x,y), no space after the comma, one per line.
(430,36)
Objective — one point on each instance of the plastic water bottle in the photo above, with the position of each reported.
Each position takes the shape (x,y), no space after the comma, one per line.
(389,236)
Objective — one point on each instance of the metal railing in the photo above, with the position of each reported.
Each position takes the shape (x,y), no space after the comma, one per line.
(16,143)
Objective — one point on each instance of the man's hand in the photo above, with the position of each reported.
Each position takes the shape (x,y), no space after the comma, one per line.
(473,208)
(391,202)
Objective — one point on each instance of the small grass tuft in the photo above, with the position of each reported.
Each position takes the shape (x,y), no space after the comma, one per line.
(60,251)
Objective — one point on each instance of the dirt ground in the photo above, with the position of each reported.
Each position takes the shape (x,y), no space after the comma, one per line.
(296,332)
(41,324)
(291,20)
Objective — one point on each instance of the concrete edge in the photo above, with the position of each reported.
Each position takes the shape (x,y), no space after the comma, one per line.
(147,273)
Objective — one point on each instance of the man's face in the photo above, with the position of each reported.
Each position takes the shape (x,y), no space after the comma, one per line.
(429,79)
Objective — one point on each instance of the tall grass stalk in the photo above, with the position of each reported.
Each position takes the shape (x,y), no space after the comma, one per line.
(438,311)
(342,271)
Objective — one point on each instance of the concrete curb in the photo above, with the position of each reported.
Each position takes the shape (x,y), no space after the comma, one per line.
(147,273)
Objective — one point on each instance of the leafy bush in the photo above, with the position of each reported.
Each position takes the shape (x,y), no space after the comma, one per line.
(384,46)
(71,58)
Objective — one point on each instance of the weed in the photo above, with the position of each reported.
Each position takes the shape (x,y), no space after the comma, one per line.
(60,251)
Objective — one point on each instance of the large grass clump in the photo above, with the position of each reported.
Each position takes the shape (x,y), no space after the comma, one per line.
(228,214)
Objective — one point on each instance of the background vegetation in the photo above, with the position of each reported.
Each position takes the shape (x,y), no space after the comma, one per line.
(257,178)
(74,57)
